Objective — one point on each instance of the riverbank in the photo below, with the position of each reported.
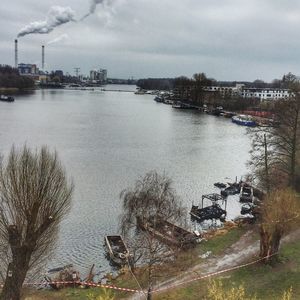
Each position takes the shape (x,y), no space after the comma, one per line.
(9,90)
(238,246)
(220,241)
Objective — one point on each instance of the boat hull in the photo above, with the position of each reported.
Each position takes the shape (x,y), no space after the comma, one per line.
(116,250)
(243,122)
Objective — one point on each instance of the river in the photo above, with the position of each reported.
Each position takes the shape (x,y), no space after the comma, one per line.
(106,141)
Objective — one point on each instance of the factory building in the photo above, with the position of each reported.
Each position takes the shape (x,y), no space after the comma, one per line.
(98,76)
(28,69)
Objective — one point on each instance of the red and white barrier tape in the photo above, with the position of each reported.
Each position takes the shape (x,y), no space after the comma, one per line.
(82,283)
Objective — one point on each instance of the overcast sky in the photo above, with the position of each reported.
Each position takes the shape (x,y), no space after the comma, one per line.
(226,39)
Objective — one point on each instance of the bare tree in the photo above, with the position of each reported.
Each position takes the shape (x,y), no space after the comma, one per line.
(35,195)
(152,198)
(280,212)
(275,148)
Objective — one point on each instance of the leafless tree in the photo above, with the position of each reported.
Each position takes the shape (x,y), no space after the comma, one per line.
(152,198)
(280,212)
(276,148)
(34,197)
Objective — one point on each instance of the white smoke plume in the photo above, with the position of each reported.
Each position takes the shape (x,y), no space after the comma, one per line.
(61,38)
(93,6)
(56,16)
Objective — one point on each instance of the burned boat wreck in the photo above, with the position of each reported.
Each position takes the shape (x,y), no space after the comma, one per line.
(168,232)
(210,212)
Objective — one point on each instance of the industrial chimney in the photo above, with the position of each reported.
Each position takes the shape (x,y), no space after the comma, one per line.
(16,54)
(43,57)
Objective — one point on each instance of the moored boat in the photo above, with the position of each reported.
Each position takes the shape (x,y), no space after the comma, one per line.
(117,250)
(243,120)
(246,194)
(6,98)
(158,99)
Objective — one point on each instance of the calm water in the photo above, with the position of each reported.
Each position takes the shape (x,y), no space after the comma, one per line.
(106,140)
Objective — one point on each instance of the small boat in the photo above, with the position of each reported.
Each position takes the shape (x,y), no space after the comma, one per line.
(168,101)
(243,120)
(117,250)
(208,213)
(181,105)
(246,194)
(233,189)
(158,99)
(220,185)
(140,92)
(247,208)
(6,98)
(229,114)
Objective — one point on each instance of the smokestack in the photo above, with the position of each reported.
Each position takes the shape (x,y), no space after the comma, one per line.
(16,53)
(43,57)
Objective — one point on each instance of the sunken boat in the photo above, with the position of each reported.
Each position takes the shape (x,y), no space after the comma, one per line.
(168,232)
(117,250)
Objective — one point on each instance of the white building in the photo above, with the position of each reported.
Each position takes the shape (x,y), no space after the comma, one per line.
(265,93)
(225,90)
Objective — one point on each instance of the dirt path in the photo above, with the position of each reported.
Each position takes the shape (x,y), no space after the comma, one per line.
(235,255)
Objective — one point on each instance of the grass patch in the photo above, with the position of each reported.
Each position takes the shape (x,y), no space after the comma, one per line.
(219,243)
(265,281)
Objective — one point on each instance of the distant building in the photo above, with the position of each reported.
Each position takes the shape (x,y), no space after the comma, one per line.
(265,93)
(99,76)
(28,69)
(59,73)
(224,91)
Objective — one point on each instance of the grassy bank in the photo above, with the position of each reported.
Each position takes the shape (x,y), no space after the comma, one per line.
(264,281)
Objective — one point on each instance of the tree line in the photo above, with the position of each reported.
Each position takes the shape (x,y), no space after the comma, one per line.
(10,78)
(275,164)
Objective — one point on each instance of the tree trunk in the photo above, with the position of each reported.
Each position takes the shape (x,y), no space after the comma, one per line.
(264,243)
(17,269)
(149,295)
(276,237)
(15,277)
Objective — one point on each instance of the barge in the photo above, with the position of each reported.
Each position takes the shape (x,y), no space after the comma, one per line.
(169,233)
